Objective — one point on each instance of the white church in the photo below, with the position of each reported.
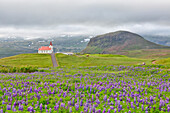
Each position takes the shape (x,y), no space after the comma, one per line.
(46,49)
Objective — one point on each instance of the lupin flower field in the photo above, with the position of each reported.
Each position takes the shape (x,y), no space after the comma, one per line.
(98,89)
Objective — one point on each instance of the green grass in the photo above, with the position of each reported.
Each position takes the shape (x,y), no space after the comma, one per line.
(105,55)
(97,60)
(44,60)
(39,60)
(149,53)
(164,61)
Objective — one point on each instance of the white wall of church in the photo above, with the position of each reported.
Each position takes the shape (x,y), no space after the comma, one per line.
(45,51)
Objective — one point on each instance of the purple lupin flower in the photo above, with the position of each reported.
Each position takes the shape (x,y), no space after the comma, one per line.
(41,107)
(92,98)
(90,109)
(61,100)
(104,110)
(97,94)
(90,89)
(32,103)
(93,109)
(168,109)
(20,107)
(159,108)
(50,110)
(8,107)
(46,110)
(120,107)
(115,110)
(81,102)
(85,109)
(77,106)
(56,107)
(105,98)
(73,101)
(86,104)
(45,106)
(13,108)
(8,98)
(3,102)
(97,101)
(69,103)
(111,107)
(1,111)
(31,109)
(62,105)
(146,109)
(108,111)
(70,109)
(99,111)
(142,107)
(26,103)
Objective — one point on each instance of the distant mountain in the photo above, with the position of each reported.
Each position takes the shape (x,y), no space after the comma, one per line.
(10,46)
(119,41)
(158,39)
(13,46)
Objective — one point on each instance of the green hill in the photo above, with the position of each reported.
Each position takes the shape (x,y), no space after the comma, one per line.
(38,60)
(119,41)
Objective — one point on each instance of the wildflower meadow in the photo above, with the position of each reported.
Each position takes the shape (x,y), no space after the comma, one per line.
(98,89)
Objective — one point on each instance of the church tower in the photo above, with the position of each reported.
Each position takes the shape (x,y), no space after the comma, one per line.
(51,46)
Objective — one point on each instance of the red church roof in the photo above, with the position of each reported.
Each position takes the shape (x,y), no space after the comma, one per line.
(44,48)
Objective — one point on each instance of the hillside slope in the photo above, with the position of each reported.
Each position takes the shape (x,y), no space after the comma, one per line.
(118,41)
(38,60)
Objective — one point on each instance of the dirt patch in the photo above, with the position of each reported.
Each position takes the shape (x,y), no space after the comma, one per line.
(153,61)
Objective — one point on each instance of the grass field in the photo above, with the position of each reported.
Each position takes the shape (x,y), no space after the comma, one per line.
(104,55)
(112,83)
(38,60)
(149,53)
(164,61)
(44,60)
(97,60)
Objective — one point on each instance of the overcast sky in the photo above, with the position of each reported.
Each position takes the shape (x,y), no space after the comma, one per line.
(36,18)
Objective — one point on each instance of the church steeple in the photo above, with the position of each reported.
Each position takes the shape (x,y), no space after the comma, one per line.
(51,44)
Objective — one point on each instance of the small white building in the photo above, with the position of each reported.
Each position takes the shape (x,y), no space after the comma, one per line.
(46,49)
(66,53)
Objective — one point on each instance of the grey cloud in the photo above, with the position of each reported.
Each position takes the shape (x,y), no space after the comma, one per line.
(104,14)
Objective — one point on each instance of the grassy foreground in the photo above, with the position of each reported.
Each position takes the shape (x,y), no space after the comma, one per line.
(97,60)
(98,89)
(35,60)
